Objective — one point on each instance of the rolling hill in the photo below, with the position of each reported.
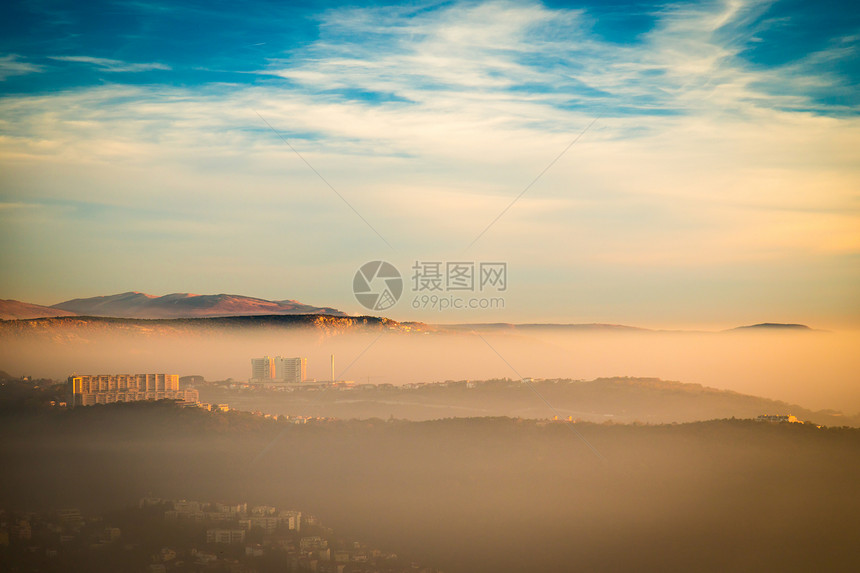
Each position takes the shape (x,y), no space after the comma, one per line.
(612,400)
(17,310)
(185,305)
(472,494)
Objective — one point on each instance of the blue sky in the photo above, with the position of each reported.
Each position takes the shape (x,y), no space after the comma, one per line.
(718,184)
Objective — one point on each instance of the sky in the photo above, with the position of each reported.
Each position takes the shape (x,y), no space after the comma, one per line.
(660,164)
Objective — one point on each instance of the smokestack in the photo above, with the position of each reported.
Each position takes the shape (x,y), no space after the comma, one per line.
(332,367)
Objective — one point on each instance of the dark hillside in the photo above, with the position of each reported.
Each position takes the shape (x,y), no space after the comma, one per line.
(475,494)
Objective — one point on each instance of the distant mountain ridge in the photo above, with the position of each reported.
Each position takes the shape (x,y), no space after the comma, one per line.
(139,305)
(513,327)
(84,327)
(775,326)
(598,327)
(185,305)
(15,310)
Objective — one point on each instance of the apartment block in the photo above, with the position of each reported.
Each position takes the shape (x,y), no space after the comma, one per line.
(88,390)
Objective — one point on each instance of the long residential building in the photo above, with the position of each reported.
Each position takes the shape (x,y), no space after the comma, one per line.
(87,390)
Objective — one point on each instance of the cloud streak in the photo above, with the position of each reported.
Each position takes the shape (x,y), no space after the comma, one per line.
(108,65)
(14,65)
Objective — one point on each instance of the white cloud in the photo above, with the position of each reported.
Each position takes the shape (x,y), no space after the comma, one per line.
(109,65)
(13,65)
(9,206)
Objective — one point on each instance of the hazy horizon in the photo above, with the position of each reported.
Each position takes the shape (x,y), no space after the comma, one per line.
(816,370)
(475,318)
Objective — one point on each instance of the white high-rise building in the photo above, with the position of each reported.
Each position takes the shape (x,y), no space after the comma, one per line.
(262,369)
(278,369)
(293,370)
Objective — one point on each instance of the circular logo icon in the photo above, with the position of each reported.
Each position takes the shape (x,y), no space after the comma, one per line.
(377,285)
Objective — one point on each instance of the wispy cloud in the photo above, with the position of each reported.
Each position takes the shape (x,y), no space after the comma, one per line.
(6,206)
(14,65)
(109,65)
(487,54)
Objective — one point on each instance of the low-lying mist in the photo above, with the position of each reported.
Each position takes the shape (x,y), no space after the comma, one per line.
(818,370)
